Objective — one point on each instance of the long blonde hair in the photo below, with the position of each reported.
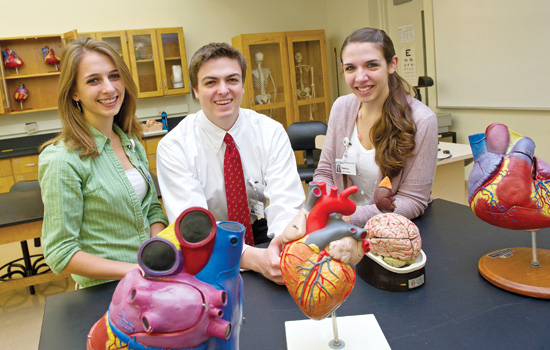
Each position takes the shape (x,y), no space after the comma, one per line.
(75,132)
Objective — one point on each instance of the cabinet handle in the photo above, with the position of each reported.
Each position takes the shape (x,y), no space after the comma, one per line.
(31,164)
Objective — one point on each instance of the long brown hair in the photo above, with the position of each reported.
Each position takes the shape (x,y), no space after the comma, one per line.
(393,134)
(75,132)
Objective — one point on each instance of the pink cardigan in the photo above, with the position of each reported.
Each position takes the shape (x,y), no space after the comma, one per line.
(412,186)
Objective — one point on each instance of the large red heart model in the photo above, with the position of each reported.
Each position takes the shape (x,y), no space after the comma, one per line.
(317,282)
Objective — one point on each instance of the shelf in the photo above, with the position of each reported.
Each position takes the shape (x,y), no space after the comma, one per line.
(32,110)
(149,60)
(269,106)
(172,58)
(26,76)
(310,101)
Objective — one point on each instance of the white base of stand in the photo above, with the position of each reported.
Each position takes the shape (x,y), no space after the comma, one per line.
(357,332)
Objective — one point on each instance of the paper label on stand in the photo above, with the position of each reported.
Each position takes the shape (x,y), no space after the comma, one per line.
(416,282)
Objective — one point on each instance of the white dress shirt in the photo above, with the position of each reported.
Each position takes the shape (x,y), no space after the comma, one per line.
(190,168)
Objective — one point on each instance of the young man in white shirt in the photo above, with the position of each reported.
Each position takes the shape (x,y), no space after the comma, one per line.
(190,159)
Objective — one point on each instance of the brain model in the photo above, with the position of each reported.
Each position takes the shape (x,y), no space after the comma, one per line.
(395,238)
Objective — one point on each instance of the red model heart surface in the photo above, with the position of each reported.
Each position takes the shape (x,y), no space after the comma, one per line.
(318,282)
(508,185)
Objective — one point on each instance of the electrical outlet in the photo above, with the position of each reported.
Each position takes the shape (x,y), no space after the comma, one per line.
(31,128)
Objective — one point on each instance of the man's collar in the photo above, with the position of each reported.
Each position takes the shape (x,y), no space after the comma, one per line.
(215,133)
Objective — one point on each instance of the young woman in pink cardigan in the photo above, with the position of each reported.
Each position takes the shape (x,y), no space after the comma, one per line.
(379,130)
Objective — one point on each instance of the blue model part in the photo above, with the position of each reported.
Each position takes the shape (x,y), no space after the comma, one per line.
(222,272)
(478,144)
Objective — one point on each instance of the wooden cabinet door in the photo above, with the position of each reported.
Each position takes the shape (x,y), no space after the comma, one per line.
(307,56)
(267,84)
(118,41)
(68,37)
(25,165)
(5,183)
(173,61)
(4,101)
(5,167)
(144,62)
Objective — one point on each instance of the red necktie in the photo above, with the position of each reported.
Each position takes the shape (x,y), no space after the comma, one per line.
(235,190)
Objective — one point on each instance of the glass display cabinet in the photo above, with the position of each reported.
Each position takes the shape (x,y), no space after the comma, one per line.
(116,39)
(27,82)
(173,61)
(158,61)
(287,78)
(156,58)
(267,83)
(145,65)
(309,76)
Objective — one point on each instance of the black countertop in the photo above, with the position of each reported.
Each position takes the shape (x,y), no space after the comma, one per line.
(23,146)
(455,309)
(28,145)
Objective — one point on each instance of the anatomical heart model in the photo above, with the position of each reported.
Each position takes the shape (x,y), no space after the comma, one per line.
(187,295)
(315,266)
(21,94)
(11,60)
(508,185)
(50,57)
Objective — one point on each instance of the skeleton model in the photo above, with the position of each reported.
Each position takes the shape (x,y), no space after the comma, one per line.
(260,78)
(304,81)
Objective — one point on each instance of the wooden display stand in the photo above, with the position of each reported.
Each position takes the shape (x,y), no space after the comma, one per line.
(523,271)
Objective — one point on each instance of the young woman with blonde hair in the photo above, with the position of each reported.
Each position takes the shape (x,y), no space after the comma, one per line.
(100,203)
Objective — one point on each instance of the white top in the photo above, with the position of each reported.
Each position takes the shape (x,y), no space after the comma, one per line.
(190,167)
(367,170)
(138,182)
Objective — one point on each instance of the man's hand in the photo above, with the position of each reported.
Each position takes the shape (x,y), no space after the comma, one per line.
(265,261)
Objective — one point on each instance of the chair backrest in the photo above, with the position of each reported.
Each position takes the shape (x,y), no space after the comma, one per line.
(302,134)
(24,186)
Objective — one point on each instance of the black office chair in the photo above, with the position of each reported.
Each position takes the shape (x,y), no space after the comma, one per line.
(24,186)
(302,138)
(38,266)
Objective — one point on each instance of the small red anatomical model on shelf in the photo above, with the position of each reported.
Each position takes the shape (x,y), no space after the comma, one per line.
(11,60)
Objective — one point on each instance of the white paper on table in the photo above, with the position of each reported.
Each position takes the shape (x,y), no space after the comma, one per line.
(360,332)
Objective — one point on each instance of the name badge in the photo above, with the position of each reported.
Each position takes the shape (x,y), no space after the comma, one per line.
(345,167)
(145,172)
(257,208)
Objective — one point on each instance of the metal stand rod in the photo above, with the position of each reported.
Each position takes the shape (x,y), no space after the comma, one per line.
(335,343)
(535,261)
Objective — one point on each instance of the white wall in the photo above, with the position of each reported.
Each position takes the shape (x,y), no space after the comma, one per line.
(215,20)
(535,124)
(203,21)
(343,17)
